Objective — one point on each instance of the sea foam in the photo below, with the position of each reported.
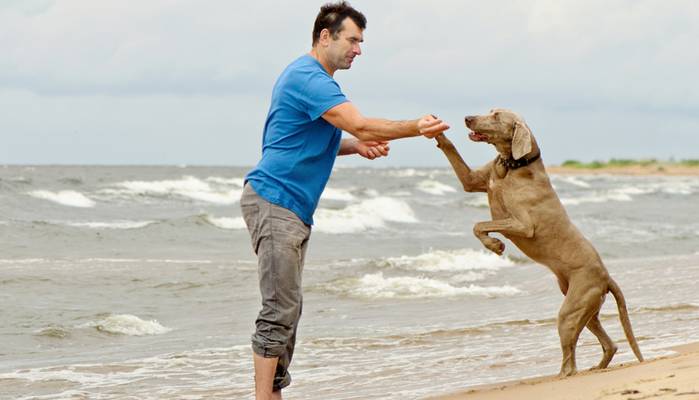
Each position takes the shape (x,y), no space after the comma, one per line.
(368,214)
(188,186)
(126,324)
(64,197)
(457,260)
(337,194)
(434,187)
(111,225)
(226,222)
(376,286)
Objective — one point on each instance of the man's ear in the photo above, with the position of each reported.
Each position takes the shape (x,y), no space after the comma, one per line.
(521,140)
(324,35)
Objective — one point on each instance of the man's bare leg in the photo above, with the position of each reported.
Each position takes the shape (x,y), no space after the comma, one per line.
(264,377)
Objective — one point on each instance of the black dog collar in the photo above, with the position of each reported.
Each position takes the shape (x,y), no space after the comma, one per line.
(511,163)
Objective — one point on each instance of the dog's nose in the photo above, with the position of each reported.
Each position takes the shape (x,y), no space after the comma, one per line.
(469,119)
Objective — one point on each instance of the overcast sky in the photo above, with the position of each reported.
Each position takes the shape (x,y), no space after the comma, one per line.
(188,82)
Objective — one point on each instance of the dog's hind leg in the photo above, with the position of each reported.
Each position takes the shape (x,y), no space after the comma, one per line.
(581,303)
(608,346)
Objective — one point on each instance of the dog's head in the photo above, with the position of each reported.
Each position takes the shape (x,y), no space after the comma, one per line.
(502,128)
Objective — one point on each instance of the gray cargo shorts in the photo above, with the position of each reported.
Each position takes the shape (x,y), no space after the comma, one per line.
(279,238)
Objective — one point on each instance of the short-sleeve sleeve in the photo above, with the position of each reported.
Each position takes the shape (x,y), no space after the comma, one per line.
(321,94)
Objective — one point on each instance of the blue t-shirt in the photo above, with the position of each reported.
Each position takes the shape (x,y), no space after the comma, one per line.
(298,146)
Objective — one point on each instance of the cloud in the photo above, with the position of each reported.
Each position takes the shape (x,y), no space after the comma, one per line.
(154,47)
(613,72)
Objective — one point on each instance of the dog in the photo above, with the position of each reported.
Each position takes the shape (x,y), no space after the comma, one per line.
(526,210)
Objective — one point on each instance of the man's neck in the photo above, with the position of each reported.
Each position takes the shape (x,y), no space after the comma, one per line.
(315,54)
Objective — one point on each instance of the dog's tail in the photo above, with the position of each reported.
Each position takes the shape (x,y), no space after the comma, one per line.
(624,316)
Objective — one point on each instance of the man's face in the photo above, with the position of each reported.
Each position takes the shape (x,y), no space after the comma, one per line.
(341,51)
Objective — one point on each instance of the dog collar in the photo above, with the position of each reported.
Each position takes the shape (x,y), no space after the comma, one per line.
(511,163)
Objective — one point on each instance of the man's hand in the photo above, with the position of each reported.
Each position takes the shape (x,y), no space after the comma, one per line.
(431,126)
(372,149)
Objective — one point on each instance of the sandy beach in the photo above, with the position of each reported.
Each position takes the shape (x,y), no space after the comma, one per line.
(674,376)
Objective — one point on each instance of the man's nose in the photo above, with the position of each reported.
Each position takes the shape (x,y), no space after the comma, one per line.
(358,50)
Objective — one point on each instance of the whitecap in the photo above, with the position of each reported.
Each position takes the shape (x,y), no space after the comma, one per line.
(458,260)
(573,180)
(112,224)
(226,222)
(64,197)
(368,214)
(597,198)
(337,194)
(188,186)
(376,286)
(239,182)
(434,187)
(126,324)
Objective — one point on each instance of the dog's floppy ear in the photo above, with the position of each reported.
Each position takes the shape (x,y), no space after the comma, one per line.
(521,140)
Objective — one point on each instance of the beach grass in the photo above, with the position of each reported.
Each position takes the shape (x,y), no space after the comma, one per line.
(627,162)
(632,166)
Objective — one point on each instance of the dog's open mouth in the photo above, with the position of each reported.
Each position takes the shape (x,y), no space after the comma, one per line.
(477,137)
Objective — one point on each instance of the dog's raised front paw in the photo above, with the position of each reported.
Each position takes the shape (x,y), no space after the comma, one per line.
(494,245)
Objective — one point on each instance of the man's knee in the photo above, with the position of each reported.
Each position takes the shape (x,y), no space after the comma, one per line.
(275,328)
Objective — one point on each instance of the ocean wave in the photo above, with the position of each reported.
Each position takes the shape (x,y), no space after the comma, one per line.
(682,307)
(239,182)
(456,260)
(434,187)
(226,222)
(188,187)
(376,286)
(599,197)
(368,214)
(479,200)
(412,172)
(622,193)
(71,181)
(57,332)
(126,324)
(65,197)
(424,337)
(571,180)
(337,194)
(21,179)
(111,225)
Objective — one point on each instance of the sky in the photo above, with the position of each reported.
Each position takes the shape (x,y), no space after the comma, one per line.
(185,82)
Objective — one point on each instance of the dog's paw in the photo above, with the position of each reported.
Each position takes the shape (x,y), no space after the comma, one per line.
(443,142)
(494,245)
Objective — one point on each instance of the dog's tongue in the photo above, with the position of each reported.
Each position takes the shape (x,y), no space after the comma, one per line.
(477,137)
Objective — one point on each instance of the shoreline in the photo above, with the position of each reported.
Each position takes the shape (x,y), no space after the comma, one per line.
(672,376)
(635,170)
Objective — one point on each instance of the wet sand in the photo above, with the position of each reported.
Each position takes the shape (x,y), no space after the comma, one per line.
(671,377)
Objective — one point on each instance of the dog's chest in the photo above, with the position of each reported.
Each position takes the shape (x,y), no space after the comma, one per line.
(498,208)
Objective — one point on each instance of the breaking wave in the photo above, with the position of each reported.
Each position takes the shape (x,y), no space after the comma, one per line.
(69,198)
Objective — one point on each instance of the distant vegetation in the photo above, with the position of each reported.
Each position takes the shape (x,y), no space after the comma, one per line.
(625,162)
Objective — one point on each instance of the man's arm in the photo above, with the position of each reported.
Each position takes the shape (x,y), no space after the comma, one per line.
(347,117)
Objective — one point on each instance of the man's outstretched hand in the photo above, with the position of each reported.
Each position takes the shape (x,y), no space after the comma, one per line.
(430,126)
(372,149)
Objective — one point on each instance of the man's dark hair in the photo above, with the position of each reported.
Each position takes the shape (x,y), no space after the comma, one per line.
(331,16)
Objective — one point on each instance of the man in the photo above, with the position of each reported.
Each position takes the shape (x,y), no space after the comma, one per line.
(302,137)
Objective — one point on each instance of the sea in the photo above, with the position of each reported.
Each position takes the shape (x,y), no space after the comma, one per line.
(139,282)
